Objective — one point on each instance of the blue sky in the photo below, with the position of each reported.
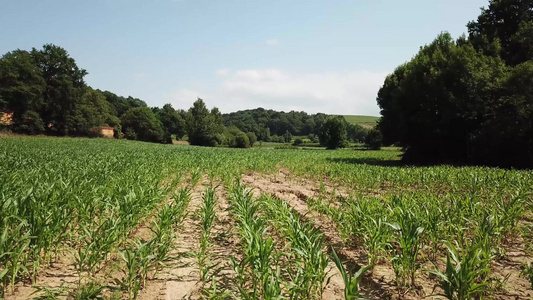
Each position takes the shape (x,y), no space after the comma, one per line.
(326,56)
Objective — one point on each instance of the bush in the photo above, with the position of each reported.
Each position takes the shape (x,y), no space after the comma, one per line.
(298,141)
(242,141)
(235,138)
(313,138)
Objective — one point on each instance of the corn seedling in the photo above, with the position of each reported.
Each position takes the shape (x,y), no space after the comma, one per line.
(351,281)
(466,274)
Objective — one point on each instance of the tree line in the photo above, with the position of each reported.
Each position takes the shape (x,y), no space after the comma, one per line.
(468,100)
(45,93)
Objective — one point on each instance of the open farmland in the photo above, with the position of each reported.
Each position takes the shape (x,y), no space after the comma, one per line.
(365,121)
(87,218)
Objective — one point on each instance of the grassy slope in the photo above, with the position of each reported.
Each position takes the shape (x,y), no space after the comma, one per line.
(365,121)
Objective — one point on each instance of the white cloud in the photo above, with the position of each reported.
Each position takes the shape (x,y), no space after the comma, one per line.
(272,42)
(336,93)
(333,93)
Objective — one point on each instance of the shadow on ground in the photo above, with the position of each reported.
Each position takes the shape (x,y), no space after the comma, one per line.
(368,161)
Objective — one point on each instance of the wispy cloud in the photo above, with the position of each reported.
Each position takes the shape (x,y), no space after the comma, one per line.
(272,42)
(333,93)
(336,93)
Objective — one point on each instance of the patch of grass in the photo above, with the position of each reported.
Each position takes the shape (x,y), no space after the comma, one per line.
(365,121)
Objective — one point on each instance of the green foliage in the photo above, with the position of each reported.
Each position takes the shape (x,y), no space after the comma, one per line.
(92,111)
(48,203)
(252,138)
(172,121)
(466,274)
(467,101)
(265,122)
(287,137)
(203,126)
(504,29)
(120,105)
(373,139)
(235,138)
(351,281)
(64,87)
(21,91)
(527,272)
(141,124)
(356,132)
(333,133)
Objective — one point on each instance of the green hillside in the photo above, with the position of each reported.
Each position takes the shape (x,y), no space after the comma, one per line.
(365,121)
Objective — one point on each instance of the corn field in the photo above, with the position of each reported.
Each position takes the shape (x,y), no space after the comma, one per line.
(113,219)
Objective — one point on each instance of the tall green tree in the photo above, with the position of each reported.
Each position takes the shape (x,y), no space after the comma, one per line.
(505,28)
(172,121)
(333,133)
(64,86)
(141,124)
(204,126)
(435,103)
(93,111)
(21,90)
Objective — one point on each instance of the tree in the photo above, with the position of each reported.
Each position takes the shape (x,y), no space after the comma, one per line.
(21,91)
(64,86)
(435,103)
(373,139)
(172,121)
(505,29)
(141,124)
(356,132)
(203,126)
(92,111)
(333,133)
(505,137)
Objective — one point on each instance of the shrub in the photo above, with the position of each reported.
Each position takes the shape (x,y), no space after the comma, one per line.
(298,141)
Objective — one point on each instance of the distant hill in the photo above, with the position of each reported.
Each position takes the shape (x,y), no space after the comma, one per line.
(365,121)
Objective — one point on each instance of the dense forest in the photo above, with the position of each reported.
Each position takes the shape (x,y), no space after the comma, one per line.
(468,100)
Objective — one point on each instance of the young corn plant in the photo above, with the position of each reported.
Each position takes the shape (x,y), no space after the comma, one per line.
(308,261)
(13,243)
(466,273)
(351,281)
(137,263)
(408,232)
(258,272)
(376,239)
